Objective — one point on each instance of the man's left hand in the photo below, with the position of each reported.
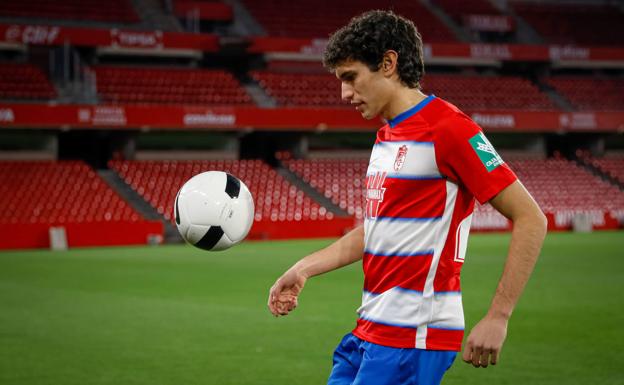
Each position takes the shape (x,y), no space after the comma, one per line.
(485,342)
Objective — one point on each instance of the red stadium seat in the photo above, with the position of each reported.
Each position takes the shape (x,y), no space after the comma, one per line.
(113,11)
(169,86)
(274,197)
(300,89)
(582,91)
(587,24)
(57,192)
(310,19)
(24,81)
(487,92)
(341,180)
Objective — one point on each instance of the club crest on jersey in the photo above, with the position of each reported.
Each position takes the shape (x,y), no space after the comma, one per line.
(400,158)
(374,193)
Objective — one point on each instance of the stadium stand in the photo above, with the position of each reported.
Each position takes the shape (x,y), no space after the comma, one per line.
(561,23)
(276,199)
(297,89)
(491,92)
(24,81)
(612,166)
(560,184)
(556,184)
(591,93)
(52,192)
(468,92)
(164,85)
(114,11)
(341,180)
(458,9)
(211,10)
(292,79)
(310,19)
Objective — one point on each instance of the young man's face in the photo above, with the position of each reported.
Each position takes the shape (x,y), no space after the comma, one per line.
(366,90)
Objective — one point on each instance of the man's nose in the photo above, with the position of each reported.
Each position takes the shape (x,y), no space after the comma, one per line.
(346,92)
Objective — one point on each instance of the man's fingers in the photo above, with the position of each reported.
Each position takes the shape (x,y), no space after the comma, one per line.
(485,357)
(494,357)
(476,356)
(467,353)
(273,295)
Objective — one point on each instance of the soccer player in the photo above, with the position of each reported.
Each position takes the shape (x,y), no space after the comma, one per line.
(429,163)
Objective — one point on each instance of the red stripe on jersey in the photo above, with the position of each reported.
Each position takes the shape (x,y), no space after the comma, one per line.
(413,198)
(382,273)
(443,339)
(395,336)
(447,274)
(412,129)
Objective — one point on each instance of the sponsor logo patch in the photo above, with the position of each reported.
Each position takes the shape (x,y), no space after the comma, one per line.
(486,152)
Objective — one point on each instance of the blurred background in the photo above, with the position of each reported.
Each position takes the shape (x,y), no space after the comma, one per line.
(108,107)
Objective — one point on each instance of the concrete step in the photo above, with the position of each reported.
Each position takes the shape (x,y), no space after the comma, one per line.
(139,204)
(154,16)
(310,191)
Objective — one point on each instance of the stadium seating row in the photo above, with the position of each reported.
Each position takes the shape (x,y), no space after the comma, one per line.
(58,192)
(70,191)
(561,23)
(276,199)
(115,11)
(135,85)
(310,19)
(24,81)
(612,166)
(556,184)
(159,85)
(583,23)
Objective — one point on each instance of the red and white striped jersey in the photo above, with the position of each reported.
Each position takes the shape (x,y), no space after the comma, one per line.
(426,168)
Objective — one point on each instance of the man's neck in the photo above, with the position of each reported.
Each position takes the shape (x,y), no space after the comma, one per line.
(403,100)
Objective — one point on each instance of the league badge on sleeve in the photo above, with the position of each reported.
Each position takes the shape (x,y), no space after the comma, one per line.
(486,152)
(400,158)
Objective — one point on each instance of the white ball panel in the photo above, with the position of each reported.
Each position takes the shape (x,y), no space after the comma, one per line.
(238,222)
(224,243)
(195,232)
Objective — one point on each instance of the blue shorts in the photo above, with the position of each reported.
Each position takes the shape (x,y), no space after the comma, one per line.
(358,362)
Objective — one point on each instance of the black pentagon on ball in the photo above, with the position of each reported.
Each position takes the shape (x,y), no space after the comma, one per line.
(232,186)
(211,238)
(177,211)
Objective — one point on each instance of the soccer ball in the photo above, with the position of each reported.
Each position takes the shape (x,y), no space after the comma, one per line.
(214,210)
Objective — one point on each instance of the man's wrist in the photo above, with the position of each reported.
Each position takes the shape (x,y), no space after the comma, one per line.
(300,269)
(499,314)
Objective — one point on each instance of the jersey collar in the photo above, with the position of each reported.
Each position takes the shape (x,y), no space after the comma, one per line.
(413,110)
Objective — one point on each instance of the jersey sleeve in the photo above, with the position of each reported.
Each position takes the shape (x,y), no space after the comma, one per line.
(464,155)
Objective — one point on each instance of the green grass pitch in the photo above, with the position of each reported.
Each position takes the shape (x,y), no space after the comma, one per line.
(177,315)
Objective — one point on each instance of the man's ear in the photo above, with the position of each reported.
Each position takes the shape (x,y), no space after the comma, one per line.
(389,63)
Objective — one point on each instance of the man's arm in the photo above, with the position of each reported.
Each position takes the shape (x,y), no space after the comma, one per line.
(529,229)
(346,250)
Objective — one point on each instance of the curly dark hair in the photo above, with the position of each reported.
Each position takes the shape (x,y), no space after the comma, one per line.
(368,36)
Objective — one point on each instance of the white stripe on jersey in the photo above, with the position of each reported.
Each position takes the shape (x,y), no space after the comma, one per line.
(448,310)
(400,237)
(419,160)
(441,235)
(401,307)
(396,307)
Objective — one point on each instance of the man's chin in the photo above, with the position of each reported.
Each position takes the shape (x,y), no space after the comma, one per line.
(367,115)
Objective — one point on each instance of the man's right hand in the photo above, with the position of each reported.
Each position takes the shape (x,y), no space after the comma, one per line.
(284,293)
